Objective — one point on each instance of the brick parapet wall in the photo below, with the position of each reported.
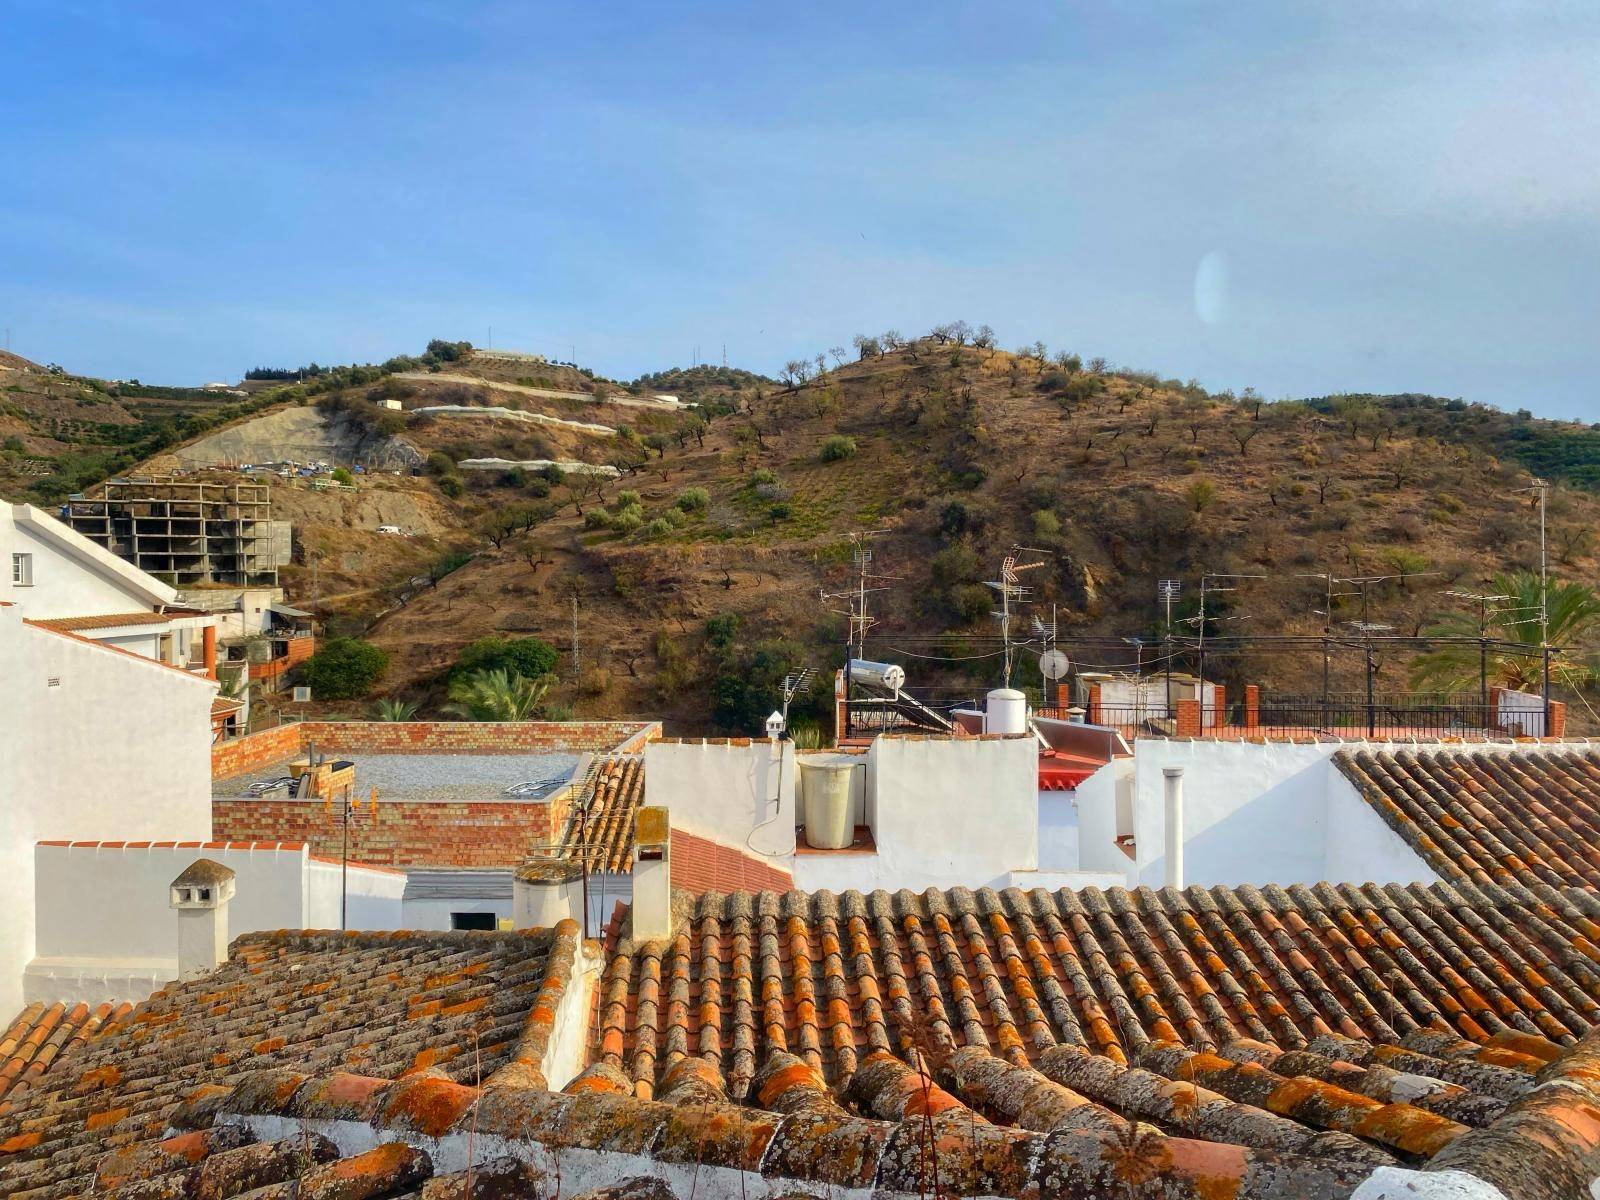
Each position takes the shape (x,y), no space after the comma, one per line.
(402,834)
(1188,718)
(269,746)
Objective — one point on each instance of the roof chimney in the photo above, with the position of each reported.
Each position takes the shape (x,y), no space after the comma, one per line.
(201,896)
(652,874)
(1172,784)
(546,891)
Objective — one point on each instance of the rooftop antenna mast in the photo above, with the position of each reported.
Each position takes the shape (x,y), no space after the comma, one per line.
(1012,592)
(1541,489)
(860,620)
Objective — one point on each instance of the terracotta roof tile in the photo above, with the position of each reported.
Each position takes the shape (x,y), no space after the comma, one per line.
(104,621)
(43,1035)
(611,795)
(433,1006)
(1512,817)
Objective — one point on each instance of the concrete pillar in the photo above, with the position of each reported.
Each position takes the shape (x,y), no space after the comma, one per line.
(200,895)
(1188,717)
(546,891)
(652,875)
(208,643)
(1172,788)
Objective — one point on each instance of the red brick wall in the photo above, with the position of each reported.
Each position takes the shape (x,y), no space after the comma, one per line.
(1188,718)
(479,834)
(466,737)
(483,737)
(254,750)
(699,865)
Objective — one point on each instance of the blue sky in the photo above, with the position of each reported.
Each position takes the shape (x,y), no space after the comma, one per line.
(1386,196)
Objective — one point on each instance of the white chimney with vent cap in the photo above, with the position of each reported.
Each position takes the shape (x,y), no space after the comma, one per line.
(546,891)
(201,896)
(652,874)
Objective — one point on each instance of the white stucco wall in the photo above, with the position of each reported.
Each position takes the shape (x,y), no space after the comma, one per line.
(98,745)
(1105,810)
(1264,813)
(104,929)
(737,795)
(947,812)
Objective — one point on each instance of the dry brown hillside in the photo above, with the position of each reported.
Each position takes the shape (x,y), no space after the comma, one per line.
(957,453)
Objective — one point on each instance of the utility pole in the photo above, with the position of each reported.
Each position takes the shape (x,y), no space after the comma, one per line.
(575,659)
(1168,590)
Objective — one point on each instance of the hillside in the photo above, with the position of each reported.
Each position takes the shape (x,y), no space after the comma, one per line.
(697,570)
(958,453)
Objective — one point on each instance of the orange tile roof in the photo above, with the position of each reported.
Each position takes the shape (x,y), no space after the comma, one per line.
(44,1034)
(611,796)
(105,621)
(430,1007)
(1489,817)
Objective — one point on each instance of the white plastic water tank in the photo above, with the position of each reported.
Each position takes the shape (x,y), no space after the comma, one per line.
(1005,710)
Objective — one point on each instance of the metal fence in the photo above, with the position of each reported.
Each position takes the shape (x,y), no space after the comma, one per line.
(1423,714)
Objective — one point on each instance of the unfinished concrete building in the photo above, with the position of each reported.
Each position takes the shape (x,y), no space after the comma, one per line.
(186,531)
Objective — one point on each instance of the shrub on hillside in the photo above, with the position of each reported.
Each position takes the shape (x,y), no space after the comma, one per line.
(344,669)
(342,475)
(837,447)
(658,529)
(529,656)
(1046,524)
(628,519)
(695,499)
(451,486)
(596,518)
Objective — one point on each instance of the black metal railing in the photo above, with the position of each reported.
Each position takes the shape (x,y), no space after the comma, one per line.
(1421,714)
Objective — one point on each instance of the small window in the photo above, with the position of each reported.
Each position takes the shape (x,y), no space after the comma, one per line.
(472,920)
(22,570)
(205,893)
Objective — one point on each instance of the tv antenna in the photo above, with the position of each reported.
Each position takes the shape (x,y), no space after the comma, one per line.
(860,619)
(793,684)
(1012,592)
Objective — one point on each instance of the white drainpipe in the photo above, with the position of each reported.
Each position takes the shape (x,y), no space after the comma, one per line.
(1172,785)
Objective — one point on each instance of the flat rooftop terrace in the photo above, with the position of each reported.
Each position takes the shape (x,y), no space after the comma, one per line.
(424,777)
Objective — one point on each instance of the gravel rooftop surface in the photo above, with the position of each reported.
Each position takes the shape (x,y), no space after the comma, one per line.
(425,776)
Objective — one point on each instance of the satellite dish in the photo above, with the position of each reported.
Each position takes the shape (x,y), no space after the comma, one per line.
(1053,664)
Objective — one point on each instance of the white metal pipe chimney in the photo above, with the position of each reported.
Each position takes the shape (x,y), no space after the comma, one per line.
(1172,788)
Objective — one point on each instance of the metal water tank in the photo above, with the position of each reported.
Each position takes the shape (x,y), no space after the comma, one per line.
(890,677)
(1005,710)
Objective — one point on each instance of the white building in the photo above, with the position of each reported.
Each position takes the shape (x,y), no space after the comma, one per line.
(99,742)
(104,930)
(62,579)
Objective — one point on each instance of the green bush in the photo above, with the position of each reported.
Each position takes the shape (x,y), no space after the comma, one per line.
(693,500)
(971,601)
(761,477)
(530,657)
(628,498)
(675,517)
(837,447)
(344,669)
(658,529)
(451,486)
(440,463)
(1046,524)
(597,518)
(628,519)
(781,511)
(342,475)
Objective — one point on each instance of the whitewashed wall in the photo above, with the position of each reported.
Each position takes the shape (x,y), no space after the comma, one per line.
(736,795)
(1520,713)
(1264,813)
(104,929)
(97,745)
(947,812)
(1105,811)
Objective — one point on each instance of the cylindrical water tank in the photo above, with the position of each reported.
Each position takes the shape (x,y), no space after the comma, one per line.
(825,792)
(1005,710)
(891,677)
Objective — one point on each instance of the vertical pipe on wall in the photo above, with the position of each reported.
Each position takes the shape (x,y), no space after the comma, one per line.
(1172,787)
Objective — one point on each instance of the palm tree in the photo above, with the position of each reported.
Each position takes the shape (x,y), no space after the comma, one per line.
(497,695)
(392,708)
(1574,610)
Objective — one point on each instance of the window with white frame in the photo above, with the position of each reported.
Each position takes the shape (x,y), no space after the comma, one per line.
(22,570)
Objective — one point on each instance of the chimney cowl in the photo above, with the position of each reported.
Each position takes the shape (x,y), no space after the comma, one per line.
(204,883)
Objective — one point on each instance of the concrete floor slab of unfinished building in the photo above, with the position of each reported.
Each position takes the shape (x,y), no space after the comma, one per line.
(424,777)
